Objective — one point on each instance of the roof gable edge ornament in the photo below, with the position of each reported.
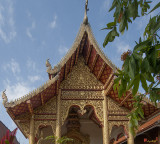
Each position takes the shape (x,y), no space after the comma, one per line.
(4,97)
(98,48)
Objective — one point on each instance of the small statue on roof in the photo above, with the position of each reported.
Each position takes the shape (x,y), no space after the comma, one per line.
(51,71)
(4,97)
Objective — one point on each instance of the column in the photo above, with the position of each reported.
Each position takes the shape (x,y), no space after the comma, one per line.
(58,121)
(158,135)
(31,131)
(130,139)
(105,123)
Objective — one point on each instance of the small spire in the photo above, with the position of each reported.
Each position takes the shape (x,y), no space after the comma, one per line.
(85,21)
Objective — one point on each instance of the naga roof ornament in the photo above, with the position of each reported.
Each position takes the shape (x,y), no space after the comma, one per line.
(51,71)
(4,97)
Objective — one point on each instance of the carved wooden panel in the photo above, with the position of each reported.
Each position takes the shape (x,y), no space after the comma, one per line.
(49,107)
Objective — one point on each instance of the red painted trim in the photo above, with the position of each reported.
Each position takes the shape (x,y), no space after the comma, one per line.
(81,89)
(80,99)
(45,113)
(118,120)
(45,119)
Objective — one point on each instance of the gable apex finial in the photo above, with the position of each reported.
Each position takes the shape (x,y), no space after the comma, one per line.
(85,21)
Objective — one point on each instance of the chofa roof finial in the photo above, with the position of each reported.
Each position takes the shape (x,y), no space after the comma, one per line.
(85,21)
(51,71)
(4,97)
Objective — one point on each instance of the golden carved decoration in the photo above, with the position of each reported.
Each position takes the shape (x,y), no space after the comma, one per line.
(45,117)
(113,106)
(25,116)
(25,127)
(81,78)
(82,95)
(66,104)
(49,107)
(118,118)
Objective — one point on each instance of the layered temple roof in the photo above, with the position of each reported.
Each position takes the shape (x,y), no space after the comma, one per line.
(98,63)
(84,45)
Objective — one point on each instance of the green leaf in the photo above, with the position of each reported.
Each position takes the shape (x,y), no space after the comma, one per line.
(144,83)
(111,24)
(130,84)
(137,56)
(132,67)
(157,6)
(152,56)
(106,40)
(106,28)
(117,80)
(113,5)
(121,89)
(122,24)
(141,113)
(136,84)
(114,32)
(156,27)
(145,65)
(148,77)
(6,142)
(110,36)
(141,45)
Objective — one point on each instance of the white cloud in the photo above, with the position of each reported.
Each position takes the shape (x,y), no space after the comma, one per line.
(17,90)
(122,46)
(7,24)
(31,65)
(62,50)
(29,29)
(13,66)
(34,78)
(54,22)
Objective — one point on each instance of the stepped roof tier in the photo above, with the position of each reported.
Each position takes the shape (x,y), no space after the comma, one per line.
(103,69)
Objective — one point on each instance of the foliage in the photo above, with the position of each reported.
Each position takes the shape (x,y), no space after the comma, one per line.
(142,65)
(9,137)
(62,140)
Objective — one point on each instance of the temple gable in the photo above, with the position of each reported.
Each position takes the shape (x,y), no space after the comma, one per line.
(81,78)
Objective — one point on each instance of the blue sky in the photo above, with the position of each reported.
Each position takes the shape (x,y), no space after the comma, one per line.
(33,31)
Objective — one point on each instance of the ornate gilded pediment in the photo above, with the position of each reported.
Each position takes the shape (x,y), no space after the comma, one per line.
(81,78)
